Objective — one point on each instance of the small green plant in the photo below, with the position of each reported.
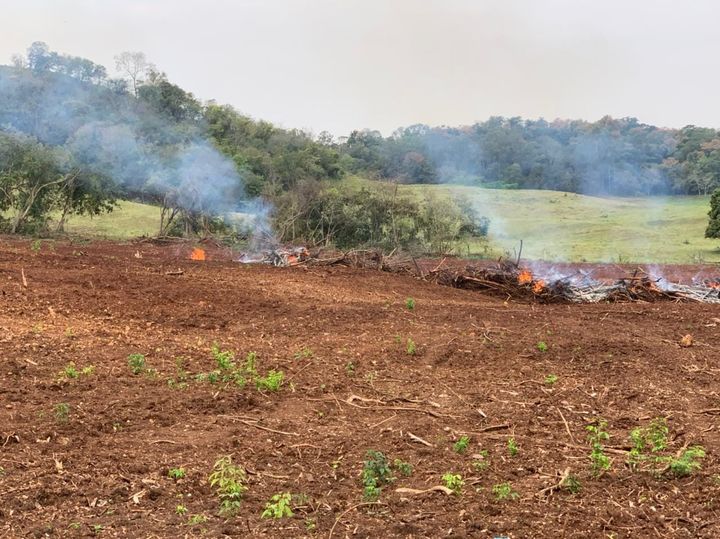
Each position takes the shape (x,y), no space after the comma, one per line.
(461,445)
(224,359)
(376,473)
(229,482)
(278,506)
(97,528)
(550,379)
(350,368)
(36,246)
(410,304)
(305,353)
(195,520)
(688,461)
(71,372)
(504,491)
(454,482)
(405,468)
(571,483)
(181,510)
(652,437)
(483,462)
(136,362)
(542,346)
(62,412)
(271,382)
(176,473)
(597,435)
(512,447)
(410,347)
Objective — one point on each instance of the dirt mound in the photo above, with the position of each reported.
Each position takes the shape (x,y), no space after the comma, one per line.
(86,446)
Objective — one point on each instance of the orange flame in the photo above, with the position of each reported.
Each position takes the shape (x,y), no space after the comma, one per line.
(197,254)
(538,287)
(525,277)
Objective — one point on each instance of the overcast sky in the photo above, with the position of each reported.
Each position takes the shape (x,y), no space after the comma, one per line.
(347,64)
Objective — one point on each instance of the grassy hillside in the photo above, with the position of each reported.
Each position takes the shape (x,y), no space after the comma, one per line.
(129,220)
(552,225)
(567,226)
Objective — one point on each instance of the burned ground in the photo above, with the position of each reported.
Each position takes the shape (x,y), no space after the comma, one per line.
(340,336)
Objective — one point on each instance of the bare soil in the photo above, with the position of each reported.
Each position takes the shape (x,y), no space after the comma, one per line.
(340,336)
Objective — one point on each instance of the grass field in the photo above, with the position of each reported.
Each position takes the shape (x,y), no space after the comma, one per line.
(129,220)
(552,225)
(567,226)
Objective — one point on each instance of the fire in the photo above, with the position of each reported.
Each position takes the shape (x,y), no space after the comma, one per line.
(538,287)
(525,277)
(712,283)
(197,254)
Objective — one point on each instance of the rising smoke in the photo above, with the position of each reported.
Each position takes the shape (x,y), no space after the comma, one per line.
(108,131)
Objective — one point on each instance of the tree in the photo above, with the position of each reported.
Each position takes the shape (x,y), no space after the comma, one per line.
(713,229)
(134,66)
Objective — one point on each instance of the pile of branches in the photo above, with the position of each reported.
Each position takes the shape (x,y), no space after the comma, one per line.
(509,279)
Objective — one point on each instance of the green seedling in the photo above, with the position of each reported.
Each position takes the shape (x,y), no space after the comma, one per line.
(571,483)
(136,362)
(176,473)
(229,483)
(278,506)
(305,353)
(271,382)
(597,435)
(405,468)
(376,473)
(454,482)
(482,463)
(461,445)
(181,510)
(512,447)
(542,346)
(410,304)
(410,347)
(224,359)
(688,461)
(71,372)
(62,412)
(504,491)
(195,520)
(550,379)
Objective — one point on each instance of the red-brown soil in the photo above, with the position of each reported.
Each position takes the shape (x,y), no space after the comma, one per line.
(104,469)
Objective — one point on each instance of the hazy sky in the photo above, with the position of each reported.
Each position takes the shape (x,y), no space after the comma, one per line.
(346,64)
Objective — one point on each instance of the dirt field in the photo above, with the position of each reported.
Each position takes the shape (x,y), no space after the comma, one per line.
(90,455)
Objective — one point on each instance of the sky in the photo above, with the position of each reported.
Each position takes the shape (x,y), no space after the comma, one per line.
(381,64)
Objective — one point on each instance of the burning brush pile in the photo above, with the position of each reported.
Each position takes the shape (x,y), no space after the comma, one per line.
(506,278)
(281,256)
(579,287)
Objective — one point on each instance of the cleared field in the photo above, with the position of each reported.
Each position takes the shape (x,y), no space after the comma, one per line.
(496,395)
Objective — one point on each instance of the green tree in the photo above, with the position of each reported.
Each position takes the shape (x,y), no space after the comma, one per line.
(713,229)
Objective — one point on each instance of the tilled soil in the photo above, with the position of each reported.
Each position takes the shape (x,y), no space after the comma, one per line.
(90,455)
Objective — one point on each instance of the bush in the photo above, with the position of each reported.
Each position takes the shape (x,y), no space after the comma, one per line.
(376,217)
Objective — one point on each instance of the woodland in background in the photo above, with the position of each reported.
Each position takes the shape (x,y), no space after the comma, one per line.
(66,148)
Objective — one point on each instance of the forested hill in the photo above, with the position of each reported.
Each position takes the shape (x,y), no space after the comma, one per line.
(607,157)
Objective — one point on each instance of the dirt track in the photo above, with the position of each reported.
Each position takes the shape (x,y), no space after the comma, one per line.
(477,371)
